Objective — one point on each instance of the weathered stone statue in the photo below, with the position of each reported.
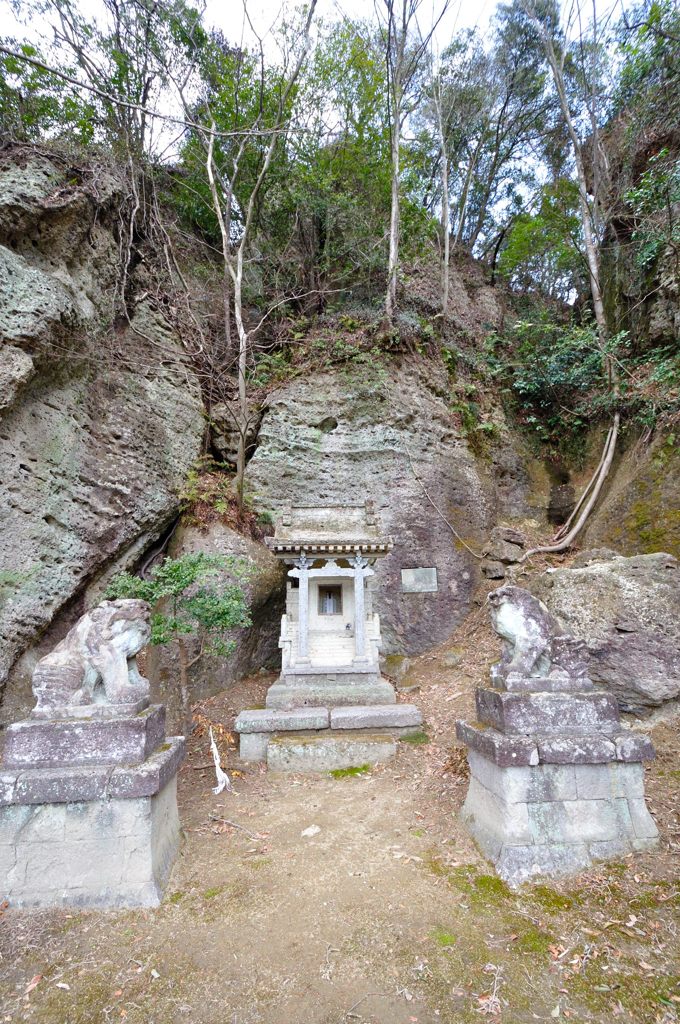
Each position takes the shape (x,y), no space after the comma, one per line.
(92,769)
(533,647)
(556,782)
(95,664)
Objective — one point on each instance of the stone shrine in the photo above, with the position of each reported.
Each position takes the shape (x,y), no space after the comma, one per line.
(88,800)
(556,782)
(330,640)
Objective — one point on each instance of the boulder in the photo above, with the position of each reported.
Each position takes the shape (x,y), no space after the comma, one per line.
(627,610)
(224,418)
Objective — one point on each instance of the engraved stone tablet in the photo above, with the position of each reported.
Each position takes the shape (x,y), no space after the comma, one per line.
(419,581)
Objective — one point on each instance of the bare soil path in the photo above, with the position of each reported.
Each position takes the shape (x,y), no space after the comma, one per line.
(386,915)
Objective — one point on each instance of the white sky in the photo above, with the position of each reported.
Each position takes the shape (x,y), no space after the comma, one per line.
(228,14)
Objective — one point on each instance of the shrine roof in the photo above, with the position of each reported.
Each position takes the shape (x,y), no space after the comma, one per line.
(329,529)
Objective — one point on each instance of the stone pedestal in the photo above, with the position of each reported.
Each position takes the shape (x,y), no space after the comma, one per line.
(555,782)
(88,785)
(89,835)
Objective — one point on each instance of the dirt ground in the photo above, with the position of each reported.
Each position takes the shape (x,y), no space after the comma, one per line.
(387,914)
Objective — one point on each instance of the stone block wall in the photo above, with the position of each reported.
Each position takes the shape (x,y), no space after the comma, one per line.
(554,819)
(97,853)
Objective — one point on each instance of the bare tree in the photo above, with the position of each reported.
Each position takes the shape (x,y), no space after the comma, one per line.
(405,46)
(590,205)
(224,174)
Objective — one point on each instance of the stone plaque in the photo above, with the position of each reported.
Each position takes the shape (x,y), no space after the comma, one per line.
(419,581)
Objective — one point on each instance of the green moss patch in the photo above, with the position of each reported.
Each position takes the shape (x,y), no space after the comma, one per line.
(348,773)
(444,938)
(416,738)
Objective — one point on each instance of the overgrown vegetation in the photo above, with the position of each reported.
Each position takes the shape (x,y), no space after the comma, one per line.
(196,596)
(264,183)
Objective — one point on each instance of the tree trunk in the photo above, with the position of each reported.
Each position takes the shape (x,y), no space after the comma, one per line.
(183,657)
(445,213)
(596,483)
(393,261)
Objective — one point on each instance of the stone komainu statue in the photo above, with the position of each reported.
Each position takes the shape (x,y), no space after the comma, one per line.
(95,663)
(534,645)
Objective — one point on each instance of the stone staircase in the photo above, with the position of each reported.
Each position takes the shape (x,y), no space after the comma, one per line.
(314,739)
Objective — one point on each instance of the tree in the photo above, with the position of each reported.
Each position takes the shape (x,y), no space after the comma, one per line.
(404,47)
(196,596)
(254,123)
(582,109)
(543,252)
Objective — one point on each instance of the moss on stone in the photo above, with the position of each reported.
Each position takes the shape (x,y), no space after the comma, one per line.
(346,773)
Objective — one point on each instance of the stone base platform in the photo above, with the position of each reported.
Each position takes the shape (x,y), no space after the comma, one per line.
(258,729)
(328,752)
(90,835)
(93,853)
(554,819)
(329,690)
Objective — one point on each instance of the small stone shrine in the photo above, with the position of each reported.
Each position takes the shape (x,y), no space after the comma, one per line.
(88,796)
(556,782)
(330,707)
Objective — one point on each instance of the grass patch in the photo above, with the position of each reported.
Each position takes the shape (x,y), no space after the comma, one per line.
(435,864)
(175,897)
(348,773)
(257,863)
(551,900)
(444,938)
(480,890)
(210,894)
(416,739)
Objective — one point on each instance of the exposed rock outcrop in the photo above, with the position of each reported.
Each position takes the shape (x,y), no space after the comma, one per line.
(627,610)
(100,423)
(342,436)
(640,511)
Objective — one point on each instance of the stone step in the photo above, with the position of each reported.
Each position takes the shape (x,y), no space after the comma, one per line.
(256,727)
(546,714)
(273,720)
(329,695)
(328,752)
(395,716)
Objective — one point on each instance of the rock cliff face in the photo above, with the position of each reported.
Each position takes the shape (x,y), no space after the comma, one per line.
(99,424)
(640,511)
(346,435)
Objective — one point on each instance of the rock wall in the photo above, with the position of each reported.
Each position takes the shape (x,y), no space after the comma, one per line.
(640,511)
(341,436)
(99,423)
